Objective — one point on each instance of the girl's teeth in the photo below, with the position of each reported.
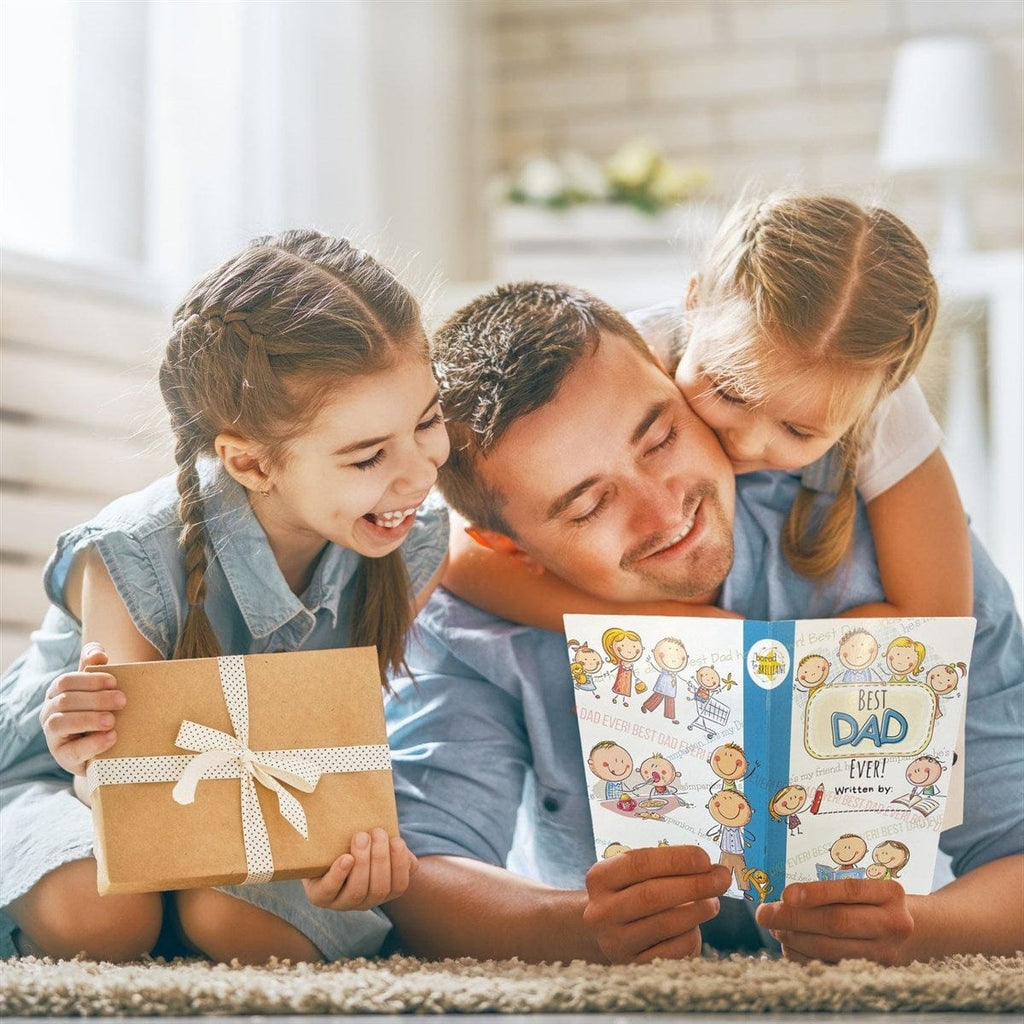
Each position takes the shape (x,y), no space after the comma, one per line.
(392,519)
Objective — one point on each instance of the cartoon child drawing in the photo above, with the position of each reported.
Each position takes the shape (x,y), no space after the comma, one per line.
(732,811)
(614,849)
(787,803)
(660,772)
(623,649)
(857,650)
(944,679)
(846,853)
(670,657)
(904,658)
(584,667)
(729,763)
(889,858)
(812,672)
(612,764)
(922,774)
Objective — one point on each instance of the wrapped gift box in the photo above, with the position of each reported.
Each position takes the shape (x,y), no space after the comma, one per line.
(240,769)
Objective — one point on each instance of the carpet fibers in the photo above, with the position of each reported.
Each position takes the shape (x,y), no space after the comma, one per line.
(32,987)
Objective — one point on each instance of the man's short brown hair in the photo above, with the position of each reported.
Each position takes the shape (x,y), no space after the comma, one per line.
(503,356)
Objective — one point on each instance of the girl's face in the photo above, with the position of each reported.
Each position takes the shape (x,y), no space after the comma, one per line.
(901,659)
(627,650)
(789,427)
(359,472)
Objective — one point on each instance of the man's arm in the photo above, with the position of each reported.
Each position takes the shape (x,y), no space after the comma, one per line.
(638,906)
(876,920)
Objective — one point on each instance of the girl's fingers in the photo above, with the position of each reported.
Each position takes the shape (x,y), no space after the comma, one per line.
(73,754)
(66,724)
(358,882)
(323,891)
(85,682)
(379,888)
(92,654)
(84,700)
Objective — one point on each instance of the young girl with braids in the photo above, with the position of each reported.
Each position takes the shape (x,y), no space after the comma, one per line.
(797,344)
(308,437)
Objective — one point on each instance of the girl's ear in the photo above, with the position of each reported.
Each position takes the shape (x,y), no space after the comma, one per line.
(241,459)
(503,545)
(691,292)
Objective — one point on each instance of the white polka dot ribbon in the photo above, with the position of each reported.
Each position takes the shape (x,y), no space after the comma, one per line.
(220,755)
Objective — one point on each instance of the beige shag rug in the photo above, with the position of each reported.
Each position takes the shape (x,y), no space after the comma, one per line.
(31,987)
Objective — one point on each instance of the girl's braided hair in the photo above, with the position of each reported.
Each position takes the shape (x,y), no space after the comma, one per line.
(258,345)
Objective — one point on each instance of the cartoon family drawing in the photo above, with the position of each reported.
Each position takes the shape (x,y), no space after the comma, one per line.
(729,763)
(904,658)
(585,666)
(888,859)
(732,812)
(787,803)
(670,657)
(858,650)
(944,679)
(812,672)
(923,773)
(612,764)
(702,688)
(623,649)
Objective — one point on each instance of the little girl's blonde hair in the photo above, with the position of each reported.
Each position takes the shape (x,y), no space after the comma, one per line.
(613,636)
(837,284)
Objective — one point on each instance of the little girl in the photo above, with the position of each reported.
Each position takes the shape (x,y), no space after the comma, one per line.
(797,346)
(308,437)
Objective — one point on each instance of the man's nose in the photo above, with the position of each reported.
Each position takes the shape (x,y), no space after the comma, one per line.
(658,505)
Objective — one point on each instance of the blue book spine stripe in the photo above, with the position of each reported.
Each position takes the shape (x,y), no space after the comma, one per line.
(767,722)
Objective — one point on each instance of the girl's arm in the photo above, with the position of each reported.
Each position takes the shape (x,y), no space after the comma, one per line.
(923,545)
(505,585)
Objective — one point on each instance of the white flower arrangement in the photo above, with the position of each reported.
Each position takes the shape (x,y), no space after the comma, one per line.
(638,174)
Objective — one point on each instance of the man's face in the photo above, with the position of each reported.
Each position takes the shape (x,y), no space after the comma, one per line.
(616,486)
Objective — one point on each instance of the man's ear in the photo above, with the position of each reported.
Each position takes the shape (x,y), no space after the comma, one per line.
(503,545)
(244,460)
(691,292)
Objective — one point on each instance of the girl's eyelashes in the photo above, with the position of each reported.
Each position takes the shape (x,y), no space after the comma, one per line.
(800,435)
(434,420)
(374,460)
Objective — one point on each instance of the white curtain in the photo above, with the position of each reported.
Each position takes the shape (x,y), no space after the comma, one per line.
(174,132)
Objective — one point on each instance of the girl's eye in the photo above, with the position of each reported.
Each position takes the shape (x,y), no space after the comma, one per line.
(666,442)
(592,514)
(801,435)
(726,394)
(432,422)
(369,463)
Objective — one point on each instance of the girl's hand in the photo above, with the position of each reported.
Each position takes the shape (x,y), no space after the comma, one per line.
(377,869)
(78,712)
(850,918)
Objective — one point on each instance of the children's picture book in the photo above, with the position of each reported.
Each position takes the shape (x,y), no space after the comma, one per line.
(805,750)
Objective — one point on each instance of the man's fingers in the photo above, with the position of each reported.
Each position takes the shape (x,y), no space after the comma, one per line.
(803,947)
(873,892)
(628,868)
(403,865)
(660,894)
(642,939)
(75,752)
(65,725)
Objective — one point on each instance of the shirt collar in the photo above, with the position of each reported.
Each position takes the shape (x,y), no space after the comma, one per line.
(239,542)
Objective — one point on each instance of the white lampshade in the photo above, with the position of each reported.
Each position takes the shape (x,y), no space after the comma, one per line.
(946,111)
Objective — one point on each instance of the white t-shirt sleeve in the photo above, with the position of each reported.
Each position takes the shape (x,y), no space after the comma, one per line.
(903,434)
(661,327)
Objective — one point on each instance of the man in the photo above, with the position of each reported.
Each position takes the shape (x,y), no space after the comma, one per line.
(573,450)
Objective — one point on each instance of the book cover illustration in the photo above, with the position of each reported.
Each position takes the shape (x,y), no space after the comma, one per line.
(790,751)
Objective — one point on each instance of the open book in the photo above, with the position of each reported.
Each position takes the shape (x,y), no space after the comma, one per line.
(791,751)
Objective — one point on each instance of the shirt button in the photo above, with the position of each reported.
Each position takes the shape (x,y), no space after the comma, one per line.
(550,804)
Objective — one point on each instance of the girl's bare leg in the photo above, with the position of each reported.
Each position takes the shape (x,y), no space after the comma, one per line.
(224,928)
(62,915)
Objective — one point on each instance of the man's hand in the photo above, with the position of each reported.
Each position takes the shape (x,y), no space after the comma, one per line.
(650,903)
(78,713)
(376,870)
(845,919)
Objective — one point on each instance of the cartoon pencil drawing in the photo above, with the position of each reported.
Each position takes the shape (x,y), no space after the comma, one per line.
(585,666)
(857,651)
(670,658)
(904,658)
(623,649)
(944,679)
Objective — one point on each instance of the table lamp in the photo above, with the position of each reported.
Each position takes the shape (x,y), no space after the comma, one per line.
(946,115)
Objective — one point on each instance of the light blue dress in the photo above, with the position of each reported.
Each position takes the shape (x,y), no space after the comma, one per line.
(253,611)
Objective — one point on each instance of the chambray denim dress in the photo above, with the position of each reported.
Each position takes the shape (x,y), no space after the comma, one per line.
(253,611)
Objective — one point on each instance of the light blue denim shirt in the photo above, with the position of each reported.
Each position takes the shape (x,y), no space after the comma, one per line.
(485,743)
(252,610)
